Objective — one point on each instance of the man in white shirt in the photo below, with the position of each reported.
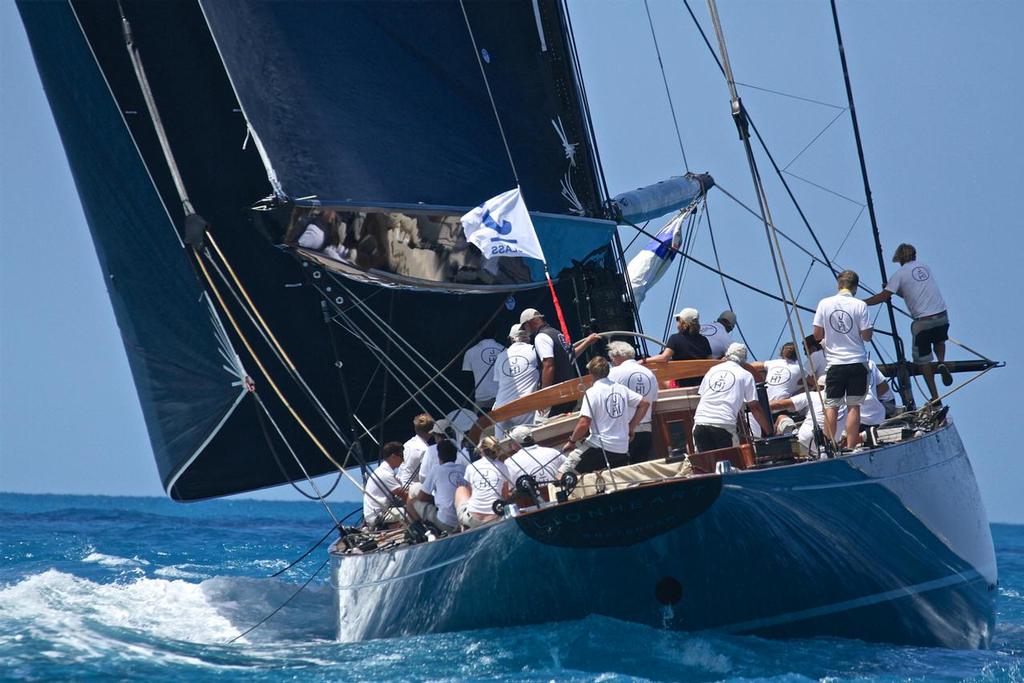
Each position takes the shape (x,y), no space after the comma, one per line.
(487,481)
(841,323)
(718,333)
(609,416)
(629,373)
(540,462)
(782,376)
(479,359)
(382,492)
(442,432)
(872,412)
(516,373)
(435,501)
(725,390)
(915,282)
(415,448)
(797,403)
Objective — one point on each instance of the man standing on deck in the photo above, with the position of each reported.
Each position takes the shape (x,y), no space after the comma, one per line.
(608,420)
(725,390)
(479,359)
(516,374)
(916,284)
(841,323)
(556,357)
(415,448)
(718,333)
(627,372)
(686,344)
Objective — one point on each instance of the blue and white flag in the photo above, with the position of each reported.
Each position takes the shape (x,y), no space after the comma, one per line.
(501,226)
(647,267)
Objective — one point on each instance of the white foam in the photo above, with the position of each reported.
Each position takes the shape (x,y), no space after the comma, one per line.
(113,560)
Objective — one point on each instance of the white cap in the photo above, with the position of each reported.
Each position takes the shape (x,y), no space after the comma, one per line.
(688,315)
(513,331)
(528,315)
(520,434)
(441,426)
(736,352)
(728,316)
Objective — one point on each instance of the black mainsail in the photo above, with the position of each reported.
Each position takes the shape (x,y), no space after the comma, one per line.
(375,106)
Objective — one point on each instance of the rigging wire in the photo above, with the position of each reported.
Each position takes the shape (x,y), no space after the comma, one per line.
(791,96)
(283,604)
(316,545)
(668,92)
(725,290)
(490,95)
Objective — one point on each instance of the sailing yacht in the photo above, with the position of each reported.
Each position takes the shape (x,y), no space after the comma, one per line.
(273,189)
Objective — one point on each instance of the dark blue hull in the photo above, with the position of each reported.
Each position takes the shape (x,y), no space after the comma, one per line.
(892,545)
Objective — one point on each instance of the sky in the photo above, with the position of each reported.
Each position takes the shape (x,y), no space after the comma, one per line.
(937,93)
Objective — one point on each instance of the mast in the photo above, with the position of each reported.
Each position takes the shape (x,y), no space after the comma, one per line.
(903,375)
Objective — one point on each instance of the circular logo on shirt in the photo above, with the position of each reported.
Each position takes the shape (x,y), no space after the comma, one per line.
(723,380)
(514,366)
(920,274)
(778,376)
(615,404)
(639,382)
(840,321)
(455,479)
(708,330)
(489,355)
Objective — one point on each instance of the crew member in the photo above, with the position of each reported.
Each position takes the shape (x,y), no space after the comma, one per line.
(841,323)
(724,391)
(872,411)
(415,448)
(627,372)
(782,377)
(556,357)
(487,480)
(916,284)
(479,360)
(797,403)
(443,431)
(718,333)
(688,343)
(527,457)
(383,492)
(435,501)
(516,373)
(609,416)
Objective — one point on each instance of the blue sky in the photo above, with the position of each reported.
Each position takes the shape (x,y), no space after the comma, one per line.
(937,88)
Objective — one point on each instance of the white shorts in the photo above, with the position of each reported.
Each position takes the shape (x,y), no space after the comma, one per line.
(468,519)
(389,516)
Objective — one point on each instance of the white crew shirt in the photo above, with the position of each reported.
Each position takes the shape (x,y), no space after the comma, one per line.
(806,434)
(413,450)
(872,411)
(916,284)
(640,379)
(725,389)
(610,407)
(843,317)
(430,460)
(781,378)
(544,346)
(818,364)
(376,492)
(479,359)
(718,337)
(540,462)
(516,372)
(312,237)
(441,483)
(486,478)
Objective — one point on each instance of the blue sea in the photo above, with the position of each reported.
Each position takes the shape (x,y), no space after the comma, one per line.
(143,588)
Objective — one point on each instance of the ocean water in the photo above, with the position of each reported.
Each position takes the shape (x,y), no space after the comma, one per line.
(143,588)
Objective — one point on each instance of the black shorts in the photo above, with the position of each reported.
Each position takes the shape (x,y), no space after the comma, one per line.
(640,447)
(710,438)
(593,459)
(927,333)
(846,384)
